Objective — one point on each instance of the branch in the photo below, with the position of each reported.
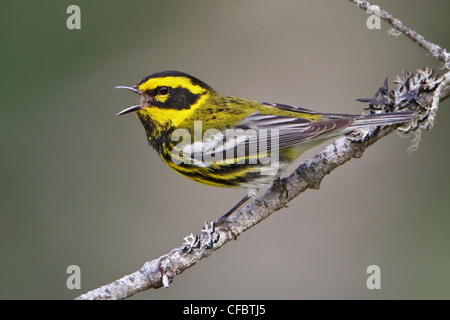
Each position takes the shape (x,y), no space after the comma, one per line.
(161,271)
(432,48)
(420,92)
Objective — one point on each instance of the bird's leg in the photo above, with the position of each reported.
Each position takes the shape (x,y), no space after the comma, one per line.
(277,183)
(240,203)
(222,220)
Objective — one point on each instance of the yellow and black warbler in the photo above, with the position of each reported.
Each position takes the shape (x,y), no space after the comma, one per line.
(228,141)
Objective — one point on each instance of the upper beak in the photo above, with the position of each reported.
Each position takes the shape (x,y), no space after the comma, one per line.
(134,88)
(132,108)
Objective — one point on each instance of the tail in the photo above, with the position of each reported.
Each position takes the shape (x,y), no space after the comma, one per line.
(382,119)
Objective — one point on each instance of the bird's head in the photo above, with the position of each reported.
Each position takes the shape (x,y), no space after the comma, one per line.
(167,96)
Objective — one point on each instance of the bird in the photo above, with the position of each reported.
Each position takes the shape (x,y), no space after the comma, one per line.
(227,141)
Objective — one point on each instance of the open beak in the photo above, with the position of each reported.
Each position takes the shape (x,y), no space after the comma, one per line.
(132,108)
(128,110)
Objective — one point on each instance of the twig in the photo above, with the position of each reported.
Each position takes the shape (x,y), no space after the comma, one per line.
(421,92)
(432,48)
(435,103)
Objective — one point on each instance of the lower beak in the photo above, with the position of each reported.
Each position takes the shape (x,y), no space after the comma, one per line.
(128,110)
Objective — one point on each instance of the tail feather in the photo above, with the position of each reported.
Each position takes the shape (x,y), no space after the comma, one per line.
(382,119)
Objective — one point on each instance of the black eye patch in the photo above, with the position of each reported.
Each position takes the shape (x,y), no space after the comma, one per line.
(180,98)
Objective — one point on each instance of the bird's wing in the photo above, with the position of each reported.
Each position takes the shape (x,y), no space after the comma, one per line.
(260,133)
(295,130)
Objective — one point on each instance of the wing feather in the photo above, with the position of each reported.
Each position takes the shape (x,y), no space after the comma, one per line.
(290,130)
(257,130)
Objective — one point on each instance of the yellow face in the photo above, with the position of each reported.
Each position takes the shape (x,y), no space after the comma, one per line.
(170,97)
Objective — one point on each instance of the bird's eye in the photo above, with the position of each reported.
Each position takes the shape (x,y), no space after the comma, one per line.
(163,90)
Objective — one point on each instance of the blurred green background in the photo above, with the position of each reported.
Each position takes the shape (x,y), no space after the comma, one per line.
(79,185)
